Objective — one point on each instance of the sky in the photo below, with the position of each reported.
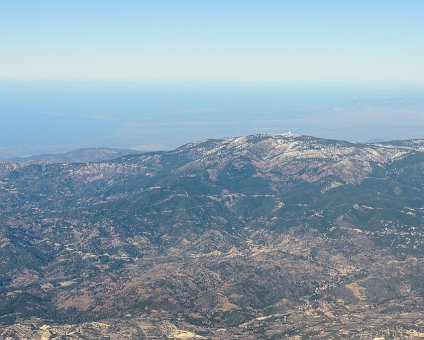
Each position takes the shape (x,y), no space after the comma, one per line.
(231,40)
(152,75)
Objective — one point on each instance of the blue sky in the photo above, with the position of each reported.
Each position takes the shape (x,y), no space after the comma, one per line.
(232,40)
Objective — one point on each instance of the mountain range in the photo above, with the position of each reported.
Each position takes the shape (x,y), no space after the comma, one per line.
(267,236)
(77,156)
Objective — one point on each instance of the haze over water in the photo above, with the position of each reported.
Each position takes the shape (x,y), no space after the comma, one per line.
(57,116)
(153,75)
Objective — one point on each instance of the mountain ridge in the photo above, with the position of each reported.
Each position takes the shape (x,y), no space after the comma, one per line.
(246,237)
(81,155)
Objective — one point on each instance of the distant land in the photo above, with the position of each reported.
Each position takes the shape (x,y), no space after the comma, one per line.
(78,156)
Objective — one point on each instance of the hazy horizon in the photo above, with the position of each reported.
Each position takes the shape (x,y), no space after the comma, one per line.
(48,117)
(155,75)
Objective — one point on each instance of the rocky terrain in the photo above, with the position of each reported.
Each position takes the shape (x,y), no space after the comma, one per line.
(256,237)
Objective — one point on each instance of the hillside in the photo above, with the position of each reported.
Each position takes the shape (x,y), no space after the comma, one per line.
(256,237)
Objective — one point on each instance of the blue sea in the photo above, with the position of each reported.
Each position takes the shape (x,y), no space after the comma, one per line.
(56,116)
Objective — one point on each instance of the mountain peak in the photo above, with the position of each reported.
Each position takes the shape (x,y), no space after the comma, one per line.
(231,233)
